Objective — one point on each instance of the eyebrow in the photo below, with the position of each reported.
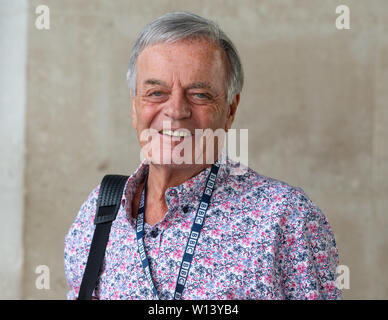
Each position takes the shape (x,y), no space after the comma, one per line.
(194,85)
(199,85)
(154,82)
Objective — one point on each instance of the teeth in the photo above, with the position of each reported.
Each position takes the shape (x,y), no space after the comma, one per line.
(176,133)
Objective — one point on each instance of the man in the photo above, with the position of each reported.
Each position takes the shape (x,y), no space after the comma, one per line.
(258,238)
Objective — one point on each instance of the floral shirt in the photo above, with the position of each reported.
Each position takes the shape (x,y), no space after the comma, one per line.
(261,239)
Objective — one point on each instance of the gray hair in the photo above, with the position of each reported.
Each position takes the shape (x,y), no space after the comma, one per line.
(181,25)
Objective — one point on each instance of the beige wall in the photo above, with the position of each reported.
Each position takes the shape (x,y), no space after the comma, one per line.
(13,20)
(314,103)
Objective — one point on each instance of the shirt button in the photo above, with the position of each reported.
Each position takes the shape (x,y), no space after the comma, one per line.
(185,209)
(154,233)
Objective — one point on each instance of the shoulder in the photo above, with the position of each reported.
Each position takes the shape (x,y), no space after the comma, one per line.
(246,184)
(81,230)
(256,193)
(88,209)
(77,242)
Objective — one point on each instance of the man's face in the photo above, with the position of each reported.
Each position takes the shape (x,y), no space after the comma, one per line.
(184,85)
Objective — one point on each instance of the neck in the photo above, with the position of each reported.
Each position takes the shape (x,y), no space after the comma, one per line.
(159,179)
(162,177)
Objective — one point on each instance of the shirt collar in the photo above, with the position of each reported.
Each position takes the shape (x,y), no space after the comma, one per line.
(185,194)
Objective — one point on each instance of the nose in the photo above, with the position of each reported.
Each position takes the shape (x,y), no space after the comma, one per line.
(177,106)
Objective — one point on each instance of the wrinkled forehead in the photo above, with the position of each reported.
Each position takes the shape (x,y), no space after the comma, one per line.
(188,59)
(199,46)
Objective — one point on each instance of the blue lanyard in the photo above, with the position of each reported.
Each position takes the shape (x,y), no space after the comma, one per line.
(191,242)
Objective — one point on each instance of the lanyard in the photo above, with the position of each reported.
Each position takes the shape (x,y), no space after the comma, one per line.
(191,242)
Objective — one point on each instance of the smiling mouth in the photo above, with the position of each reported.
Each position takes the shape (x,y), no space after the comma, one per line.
(176,133)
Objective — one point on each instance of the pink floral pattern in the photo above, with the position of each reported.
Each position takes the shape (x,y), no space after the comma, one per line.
(262,239)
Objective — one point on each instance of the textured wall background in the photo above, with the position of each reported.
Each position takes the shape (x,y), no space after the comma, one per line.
(13,20)
(314,103)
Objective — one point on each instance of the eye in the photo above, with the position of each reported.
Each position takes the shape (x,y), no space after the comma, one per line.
(201,95)
(200,98)
(156,96)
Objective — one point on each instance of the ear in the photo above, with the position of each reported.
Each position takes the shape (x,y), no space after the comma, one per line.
(133,114)
(232,112)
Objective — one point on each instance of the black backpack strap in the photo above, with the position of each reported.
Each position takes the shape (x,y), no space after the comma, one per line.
(108,204)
